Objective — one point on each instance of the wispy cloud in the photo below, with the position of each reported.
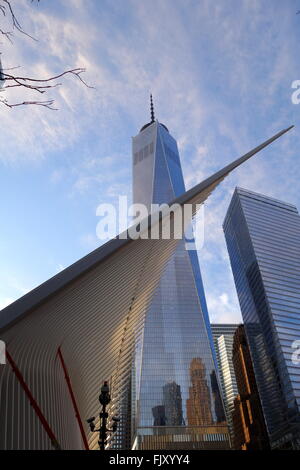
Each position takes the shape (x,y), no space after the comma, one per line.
(220,73)
(11,289)
(5,301)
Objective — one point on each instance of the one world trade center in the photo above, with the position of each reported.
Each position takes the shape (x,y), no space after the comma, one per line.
(176,402)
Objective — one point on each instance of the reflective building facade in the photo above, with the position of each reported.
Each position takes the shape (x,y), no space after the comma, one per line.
(263,240)
(223,335)
(175,383)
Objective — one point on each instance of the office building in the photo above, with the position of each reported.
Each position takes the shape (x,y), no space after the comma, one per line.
(263,240)
(177,342)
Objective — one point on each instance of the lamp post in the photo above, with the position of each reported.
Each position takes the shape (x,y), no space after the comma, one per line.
(104,399)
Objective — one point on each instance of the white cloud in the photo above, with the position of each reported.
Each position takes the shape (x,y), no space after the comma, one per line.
(89,241)
(60,268)
(218,71)
(5,301)
(221,311)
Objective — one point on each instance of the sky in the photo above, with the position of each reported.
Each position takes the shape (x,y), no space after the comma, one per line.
(221,74)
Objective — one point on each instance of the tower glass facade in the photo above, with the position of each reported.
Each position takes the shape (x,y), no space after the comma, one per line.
(176,393)
(263,240)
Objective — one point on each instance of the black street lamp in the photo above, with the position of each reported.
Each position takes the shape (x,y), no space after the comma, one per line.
(104,399)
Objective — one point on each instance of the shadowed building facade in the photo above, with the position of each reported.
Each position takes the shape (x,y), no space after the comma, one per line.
(250,432)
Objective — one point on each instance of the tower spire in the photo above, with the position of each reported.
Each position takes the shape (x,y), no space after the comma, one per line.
(152,116)
(152,109)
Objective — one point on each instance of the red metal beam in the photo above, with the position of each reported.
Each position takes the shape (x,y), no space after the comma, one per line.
(33,402)
(77,414)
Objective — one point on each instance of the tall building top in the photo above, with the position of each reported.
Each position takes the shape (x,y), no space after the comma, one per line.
(242,194)
(152,109)
(152,116)
(219,329)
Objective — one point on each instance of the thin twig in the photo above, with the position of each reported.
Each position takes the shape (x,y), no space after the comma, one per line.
(15,22)
(7,34)
(46,104)
(77,72)
(38,85)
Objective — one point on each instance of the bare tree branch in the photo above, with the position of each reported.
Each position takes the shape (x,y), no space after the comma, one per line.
(76,72)
(12,68)
(7,34)
(8,81)
(7,8)
(47,104)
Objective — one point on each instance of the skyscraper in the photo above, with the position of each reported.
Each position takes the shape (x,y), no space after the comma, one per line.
(223,341)
(263,240)
(249,427)
(177,328)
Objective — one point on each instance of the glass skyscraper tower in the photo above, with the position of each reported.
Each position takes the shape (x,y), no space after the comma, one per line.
(176,402)
(263,240)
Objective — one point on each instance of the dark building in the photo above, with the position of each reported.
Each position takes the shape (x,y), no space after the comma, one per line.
(221,418)
(249,427)
(159,415)
(172,404)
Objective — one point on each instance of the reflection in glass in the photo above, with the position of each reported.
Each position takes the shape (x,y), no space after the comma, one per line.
(172,404)
(174,389)
(199,402)
(159,415)
(220,414)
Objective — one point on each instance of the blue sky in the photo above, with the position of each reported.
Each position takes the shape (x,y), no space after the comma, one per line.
(221,75)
